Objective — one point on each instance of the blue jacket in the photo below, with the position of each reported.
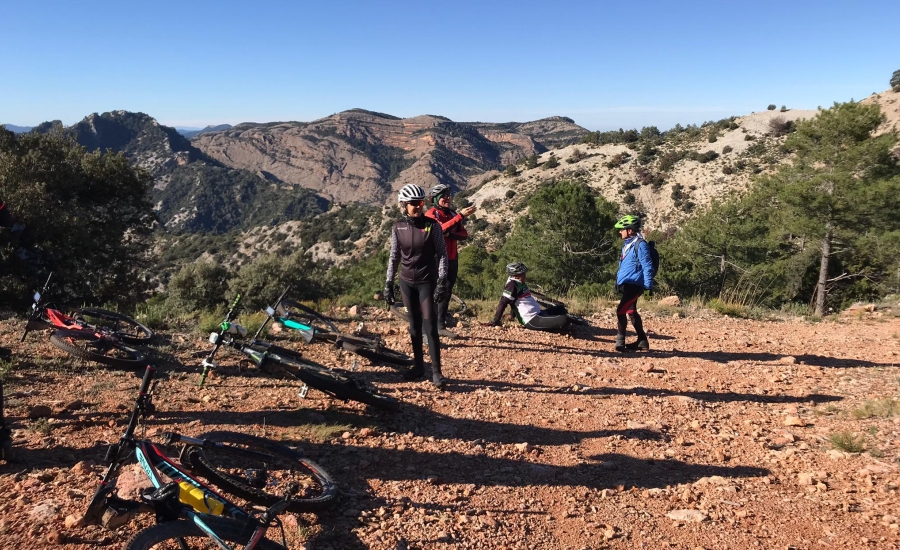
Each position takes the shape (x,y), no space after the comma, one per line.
(635,264)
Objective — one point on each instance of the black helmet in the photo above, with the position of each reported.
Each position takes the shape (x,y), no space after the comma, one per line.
(438,190)
(516,268)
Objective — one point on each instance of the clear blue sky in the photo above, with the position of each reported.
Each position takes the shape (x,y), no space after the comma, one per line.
(604,64)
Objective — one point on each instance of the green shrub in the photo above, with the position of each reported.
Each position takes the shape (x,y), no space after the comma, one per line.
(847,442)
(552,162)
(771,107)
(262,280)
(895,81)
(727,170)
(510,194)
(197,286)
(511,170)
(727,149)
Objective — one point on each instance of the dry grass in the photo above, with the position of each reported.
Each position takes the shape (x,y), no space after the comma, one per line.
(848,442)
(880,408)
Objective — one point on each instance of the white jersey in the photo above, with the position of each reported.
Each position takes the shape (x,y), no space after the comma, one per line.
(527,307)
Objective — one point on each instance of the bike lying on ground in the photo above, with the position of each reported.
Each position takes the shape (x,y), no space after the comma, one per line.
(188,510)
(547,302)
(275,360)
(92,334)
(312,325)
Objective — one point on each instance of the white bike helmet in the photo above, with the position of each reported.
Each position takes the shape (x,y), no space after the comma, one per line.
(411,192)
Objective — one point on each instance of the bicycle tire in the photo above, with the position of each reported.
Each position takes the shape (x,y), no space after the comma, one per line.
(374,351)
(312,314)
(175,532)
(334,383)
(544,300)
(125,328)
(108,351)
(233,472)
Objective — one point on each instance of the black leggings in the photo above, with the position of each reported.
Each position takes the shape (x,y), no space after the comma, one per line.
(421,313)
(628,308)
(442,307)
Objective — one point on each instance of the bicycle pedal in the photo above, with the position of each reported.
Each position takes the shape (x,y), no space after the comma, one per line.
(119,511)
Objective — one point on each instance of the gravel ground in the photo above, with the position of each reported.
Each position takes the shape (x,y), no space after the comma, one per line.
(720,437)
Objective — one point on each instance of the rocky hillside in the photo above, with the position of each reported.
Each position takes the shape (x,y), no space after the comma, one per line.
(362,156)
(192,192)
(679,174)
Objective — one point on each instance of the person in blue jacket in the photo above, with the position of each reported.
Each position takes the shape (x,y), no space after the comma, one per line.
(635,275)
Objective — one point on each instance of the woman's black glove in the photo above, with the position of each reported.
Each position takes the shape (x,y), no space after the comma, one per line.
(442,291)
(389,292)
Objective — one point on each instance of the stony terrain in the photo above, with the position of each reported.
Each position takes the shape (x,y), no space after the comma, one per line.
(718,438)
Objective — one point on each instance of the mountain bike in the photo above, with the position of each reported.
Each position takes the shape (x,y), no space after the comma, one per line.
(186,508)
(92,334)
(275,360)
(48,316)
(546,302)
(312,325)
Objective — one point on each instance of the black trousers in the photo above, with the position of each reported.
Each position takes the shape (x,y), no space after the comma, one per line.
(442,307)
(421,313)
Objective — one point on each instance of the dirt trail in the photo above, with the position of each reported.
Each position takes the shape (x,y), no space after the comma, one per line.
(542,441)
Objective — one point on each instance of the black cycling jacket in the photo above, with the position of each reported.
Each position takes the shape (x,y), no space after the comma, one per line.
(417,244)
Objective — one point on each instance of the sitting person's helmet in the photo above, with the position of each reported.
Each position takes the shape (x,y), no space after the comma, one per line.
(516,268)
(629,222)
(411,192)
(439,190)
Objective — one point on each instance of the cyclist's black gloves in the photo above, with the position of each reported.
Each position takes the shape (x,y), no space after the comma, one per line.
(389,292)
(442,291)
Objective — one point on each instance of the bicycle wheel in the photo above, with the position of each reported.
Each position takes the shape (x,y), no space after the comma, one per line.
(544,300)
(262,480)
(373,350)
(90,347)
(457,305)
(182,534)
(334,383)
(309,316)
(122,326)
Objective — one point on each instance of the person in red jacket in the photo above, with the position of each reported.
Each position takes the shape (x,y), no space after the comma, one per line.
(454,231)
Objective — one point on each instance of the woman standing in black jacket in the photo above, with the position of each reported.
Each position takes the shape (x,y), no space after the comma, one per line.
(417,245)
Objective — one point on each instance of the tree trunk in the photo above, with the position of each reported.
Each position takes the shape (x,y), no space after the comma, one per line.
(821,291)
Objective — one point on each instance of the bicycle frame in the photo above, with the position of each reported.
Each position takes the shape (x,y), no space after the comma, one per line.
(308,332)
(157,464)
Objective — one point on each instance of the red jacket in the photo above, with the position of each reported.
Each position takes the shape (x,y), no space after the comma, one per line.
(452,224)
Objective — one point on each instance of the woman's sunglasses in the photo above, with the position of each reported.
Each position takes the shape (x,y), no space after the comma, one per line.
(417,202)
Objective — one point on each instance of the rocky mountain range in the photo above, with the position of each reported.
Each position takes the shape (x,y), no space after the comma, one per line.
(192,132)
(363,156)
(260,174)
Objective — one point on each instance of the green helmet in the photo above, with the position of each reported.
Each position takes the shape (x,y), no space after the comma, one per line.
(629,222)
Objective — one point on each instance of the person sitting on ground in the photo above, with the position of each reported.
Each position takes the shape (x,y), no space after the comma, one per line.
(634,276)
(525,308)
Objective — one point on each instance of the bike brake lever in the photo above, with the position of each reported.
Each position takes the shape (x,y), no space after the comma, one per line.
(209,364)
